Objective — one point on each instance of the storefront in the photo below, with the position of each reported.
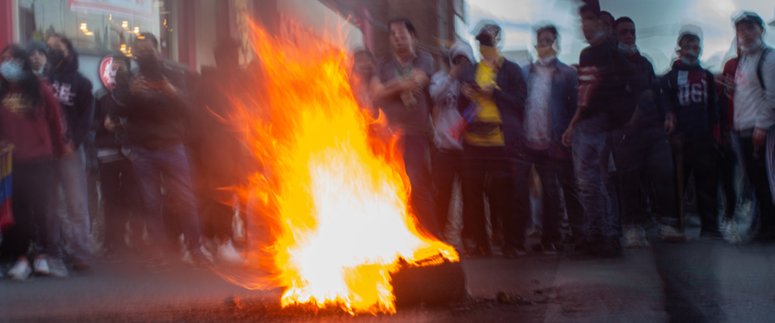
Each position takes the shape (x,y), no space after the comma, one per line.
(188,30)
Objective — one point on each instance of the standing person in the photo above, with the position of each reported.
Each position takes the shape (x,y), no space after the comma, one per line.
(157,112)
(74,92)
(605,78)
(725,89)
(493,99)
(549,108)
(755,113)
(402,93)
(690,92)
(117,179)
(218,148)
(364,69)
(643,155)
(37,52)
(448,157)
(31,120)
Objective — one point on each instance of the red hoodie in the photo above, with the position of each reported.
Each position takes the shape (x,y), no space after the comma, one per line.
(38,136)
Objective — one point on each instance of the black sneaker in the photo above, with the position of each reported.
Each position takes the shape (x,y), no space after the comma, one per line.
(512,252)
(81,265)
(711,235)
(610,248)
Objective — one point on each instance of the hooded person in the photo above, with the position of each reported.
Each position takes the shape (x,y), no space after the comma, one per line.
(158,113)
(37,51)
(74,93)
(448,155)
(689,91)
(492,103)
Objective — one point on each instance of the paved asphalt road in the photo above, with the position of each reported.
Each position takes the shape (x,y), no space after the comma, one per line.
(700,281)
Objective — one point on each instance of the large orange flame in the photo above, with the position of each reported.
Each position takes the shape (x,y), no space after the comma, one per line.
(329,219)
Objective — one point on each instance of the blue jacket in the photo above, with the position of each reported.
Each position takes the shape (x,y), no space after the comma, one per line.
(563,97)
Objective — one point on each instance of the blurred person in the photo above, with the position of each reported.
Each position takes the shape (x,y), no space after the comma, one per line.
(401,92)
(549,107)
(754,113)
(605,77)
(74,93)
(37,52)
(364,69)
(690,92)
(219,150)
(31,120)
(117,179)
(448,158)
(157,112)
(493,98)
(725,89)
(643,154)
(608,23)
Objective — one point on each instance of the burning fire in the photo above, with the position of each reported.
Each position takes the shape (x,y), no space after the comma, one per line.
(329,217)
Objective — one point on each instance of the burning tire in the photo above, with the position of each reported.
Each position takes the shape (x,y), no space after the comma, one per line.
(432,284)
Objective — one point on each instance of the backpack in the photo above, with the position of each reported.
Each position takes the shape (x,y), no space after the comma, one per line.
(760,66)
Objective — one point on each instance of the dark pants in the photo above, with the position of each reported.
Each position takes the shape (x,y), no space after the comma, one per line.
(570,194)
(416,161)
(755,165)
(701,159)
(122,198)
(547,168)
(487,170)
(644,161)
(32,192)
(446,165)
(727,163)
(171,163)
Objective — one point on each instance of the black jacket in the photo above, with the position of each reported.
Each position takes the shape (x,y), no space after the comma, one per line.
(74,93)
(157,121)
(608,85)
(690,92)
(510,100)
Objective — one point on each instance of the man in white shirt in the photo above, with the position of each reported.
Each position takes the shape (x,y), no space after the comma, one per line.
(755,112)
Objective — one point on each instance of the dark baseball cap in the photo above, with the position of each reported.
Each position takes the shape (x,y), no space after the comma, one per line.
(751,17)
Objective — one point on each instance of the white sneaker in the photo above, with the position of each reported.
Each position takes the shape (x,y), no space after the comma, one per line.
(644,237)
(227,254)
(669,233)
(41,266)
(187,258)
(57,268)
(21,270)
(729,230)
(632,238)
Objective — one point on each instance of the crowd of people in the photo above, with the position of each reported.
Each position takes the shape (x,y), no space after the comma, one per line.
(610,145)
(159,158)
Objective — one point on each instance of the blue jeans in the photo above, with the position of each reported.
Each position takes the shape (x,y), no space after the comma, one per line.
(588,149)
(72,207)
(416,158)
(171,164)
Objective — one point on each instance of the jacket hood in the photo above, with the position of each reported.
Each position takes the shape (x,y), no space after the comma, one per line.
(461,48)
(71,62)
(681,66)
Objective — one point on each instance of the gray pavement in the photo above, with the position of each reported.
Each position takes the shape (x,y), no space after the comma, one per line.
(701,281)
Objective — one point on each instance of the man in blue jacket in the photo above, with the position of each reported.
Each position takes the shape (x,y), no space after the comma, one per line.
(74,93)
(549,108)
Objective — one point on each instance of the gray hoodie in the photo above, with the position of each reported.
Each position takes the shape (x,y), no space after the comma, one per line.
(444,91)
(755,106)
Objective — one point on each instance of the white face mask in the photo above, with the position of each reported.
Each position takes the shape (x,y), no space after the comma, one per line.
(12,71)
(629,49)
